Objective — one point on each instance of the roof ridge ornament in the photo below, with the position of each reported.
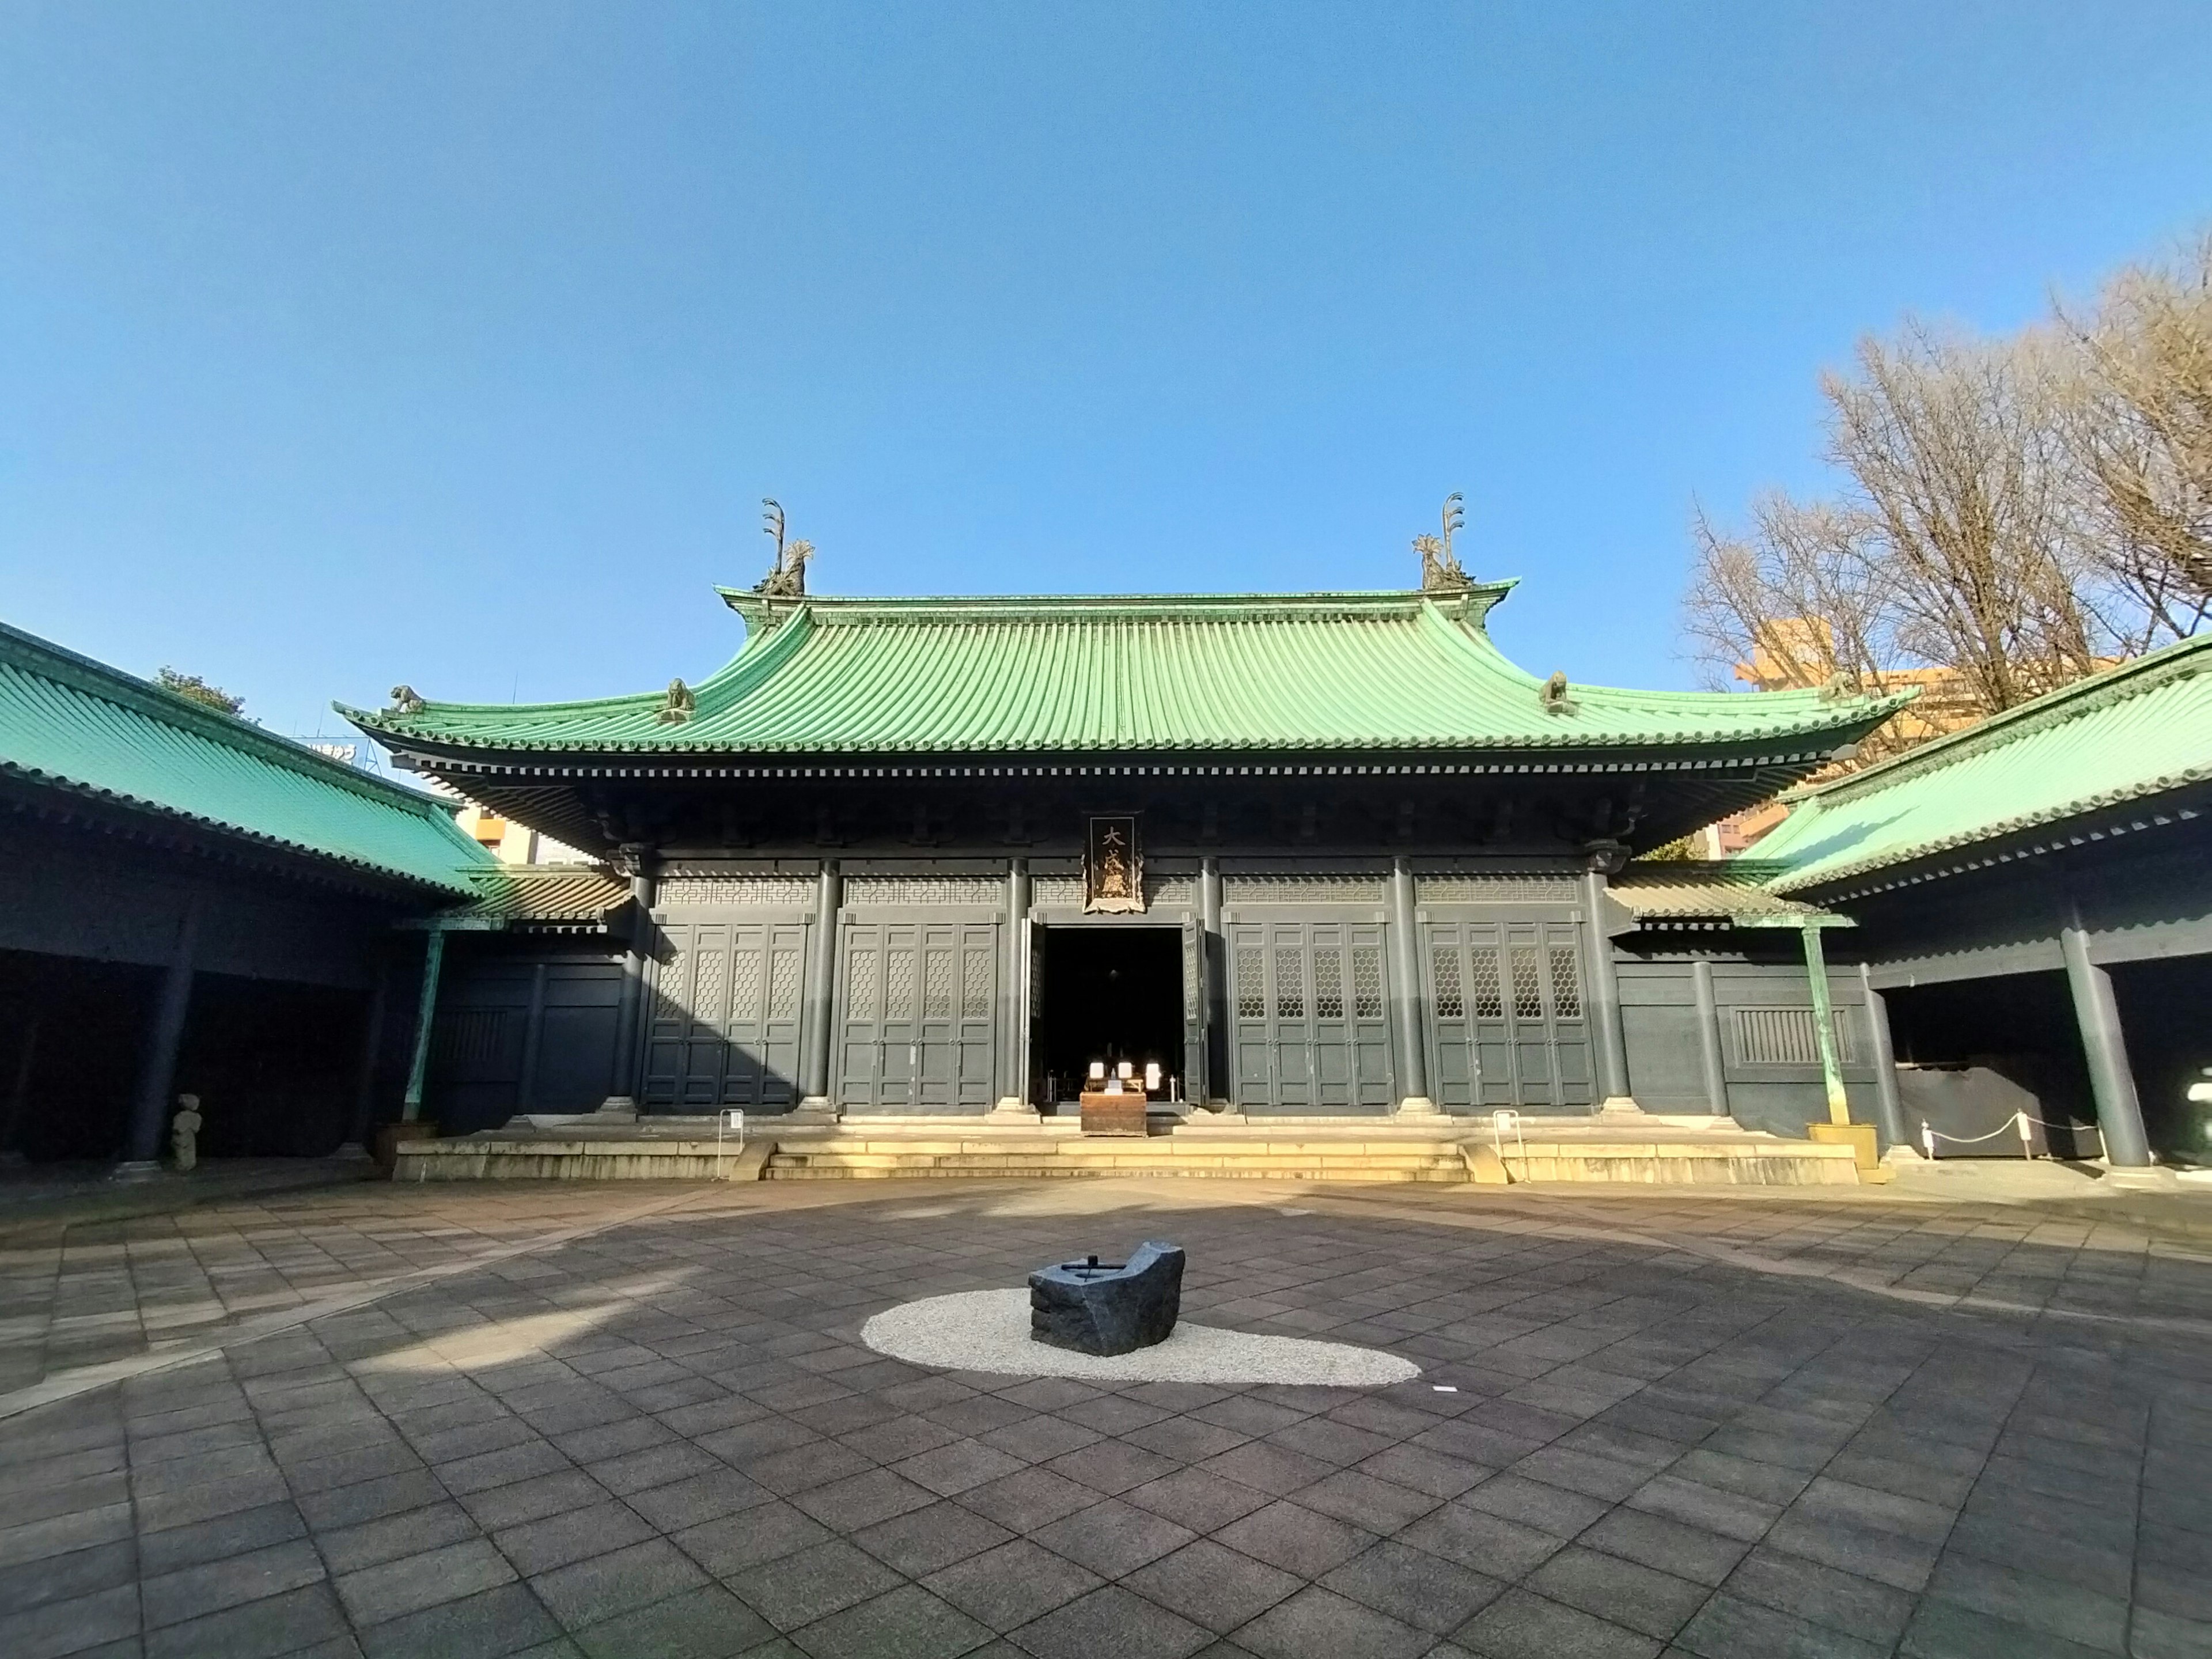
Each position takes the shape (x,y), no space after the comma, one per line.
(787,579)
(678,706)
(1441,572)
(406,700)
(1554,697)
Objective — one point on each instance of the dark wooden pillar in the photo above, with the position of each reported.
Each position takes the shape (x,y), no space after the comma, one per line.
(533,1037)
(2120,1113)
(632,860)
(1889,1105)
(364,1072)
(1608,1041)
(1212,1061)
(1010,1097)
(1412,1059)
(1710,1058)
(821,991)
(426,1021)
(157,1063)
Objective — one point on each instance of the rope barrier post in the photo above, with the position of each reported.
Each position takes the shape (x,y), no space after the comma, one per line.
(2026,1142)
(1928,1139)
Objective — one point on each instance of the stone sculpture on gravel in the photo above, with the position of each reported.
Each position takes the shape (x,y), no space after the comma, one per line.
(1106,1307)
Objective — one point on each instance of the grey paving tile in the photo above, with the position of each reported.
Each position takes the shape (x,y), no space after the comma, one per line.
(697,1497)
(1110,1623)
(1563,1514)
(346,1549)
(1318,1624)
(1111,1466)
(503,1620)
(1821,1594)
(556,1540)
(1298,1540)
(1012,1584)
(1887,1557)
(1687,1552)
(1211,1585)
(950,1469)
(1731,1514)
(1729,1628)
(908,1622)
(1433,1473)
(706,1623)
(2057,1609)
(498,1507)
(735,1542)
(1380,1506)
(796,1590)
(1521,1625)
(601,1586)
(275,1625)
(190,1592)
(71,1626)
(1024,1501)
(1264,1467)
(1198,1500)
(411,1583)
(1421,1589)
(1489,1544)
(1657,1604)
(1947,1629)
(1113,1537)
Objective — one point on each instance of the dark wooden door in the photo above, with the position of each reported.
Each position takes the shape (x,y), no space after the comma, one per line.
(1308,1014)
(917,1016)
(726,1015)
(1507,1025)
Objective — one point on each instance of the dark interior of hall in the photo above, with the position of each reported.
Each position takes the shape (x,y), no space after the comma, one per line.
(1109,993)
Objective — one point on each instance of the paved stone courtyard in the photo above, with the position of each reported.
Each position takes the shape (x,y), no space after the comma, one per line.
(636,1420)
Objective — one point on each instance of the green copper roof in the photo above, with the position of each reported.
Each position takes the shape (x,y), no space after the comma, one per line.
(1298,672)
(2138,730)
(69,723)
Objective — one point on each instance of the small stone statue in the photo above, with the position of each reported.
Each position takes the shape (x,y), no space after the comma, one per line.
(404,700)
(679,705)
(184,1132)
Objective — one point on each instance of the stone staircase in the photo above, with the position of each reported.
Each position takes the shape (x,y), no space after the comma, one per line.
(1049,1156)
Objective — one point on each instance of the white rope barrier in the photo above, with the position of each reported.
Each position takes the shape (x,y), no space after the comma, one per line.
(2017,1124)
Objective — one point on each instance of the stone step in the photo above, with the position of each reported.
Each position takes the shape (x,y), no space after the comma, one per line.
(998,1161)
(782,1169)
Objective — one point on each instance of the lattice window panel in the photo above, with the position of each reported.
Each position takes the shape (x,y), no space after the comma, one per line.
(783,985)
(1328,985)
(1367,982)
(937,985)
(1303,889)
(1566,983)
(1495,889)
(1528,984)
(1251,985)
(734,890)
(1061,892)
(861,985)
(745,985)
(899,985)
(1289,985)
(975,985)
(1788,1037)
(1489,990)
(925,889)
(1451,1003)
(706,988)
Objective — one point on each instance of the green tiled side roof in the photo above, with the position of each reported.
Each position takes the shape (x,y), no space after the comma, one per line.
(545,893)
(69,723)
(2138,730)
(1683,890)
(1298,672)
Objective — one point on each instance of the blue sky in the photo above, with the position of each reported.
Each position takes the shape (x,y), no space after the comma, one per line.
(343,344)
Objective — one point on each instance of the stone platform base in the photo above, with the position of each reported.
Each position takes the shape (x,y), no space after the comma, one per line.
(1362,1150)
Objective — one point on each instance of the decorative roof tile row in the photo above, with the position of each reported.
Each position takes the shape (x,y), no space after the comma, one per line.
(1305,672)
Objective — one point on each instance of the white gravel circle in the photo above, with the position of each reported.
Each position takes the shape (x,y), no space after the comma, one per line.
(989,1331)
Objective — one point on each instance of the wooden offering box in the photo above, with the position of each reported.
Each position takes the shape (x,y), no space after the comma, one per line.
(1114,1115)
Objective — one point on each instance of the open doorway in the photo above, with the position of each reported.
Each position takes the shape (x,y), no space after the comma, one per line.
(1109,993)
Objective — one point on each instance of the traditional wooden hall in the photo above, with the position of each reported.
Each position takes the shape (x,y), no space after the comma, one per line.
(1320,856)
